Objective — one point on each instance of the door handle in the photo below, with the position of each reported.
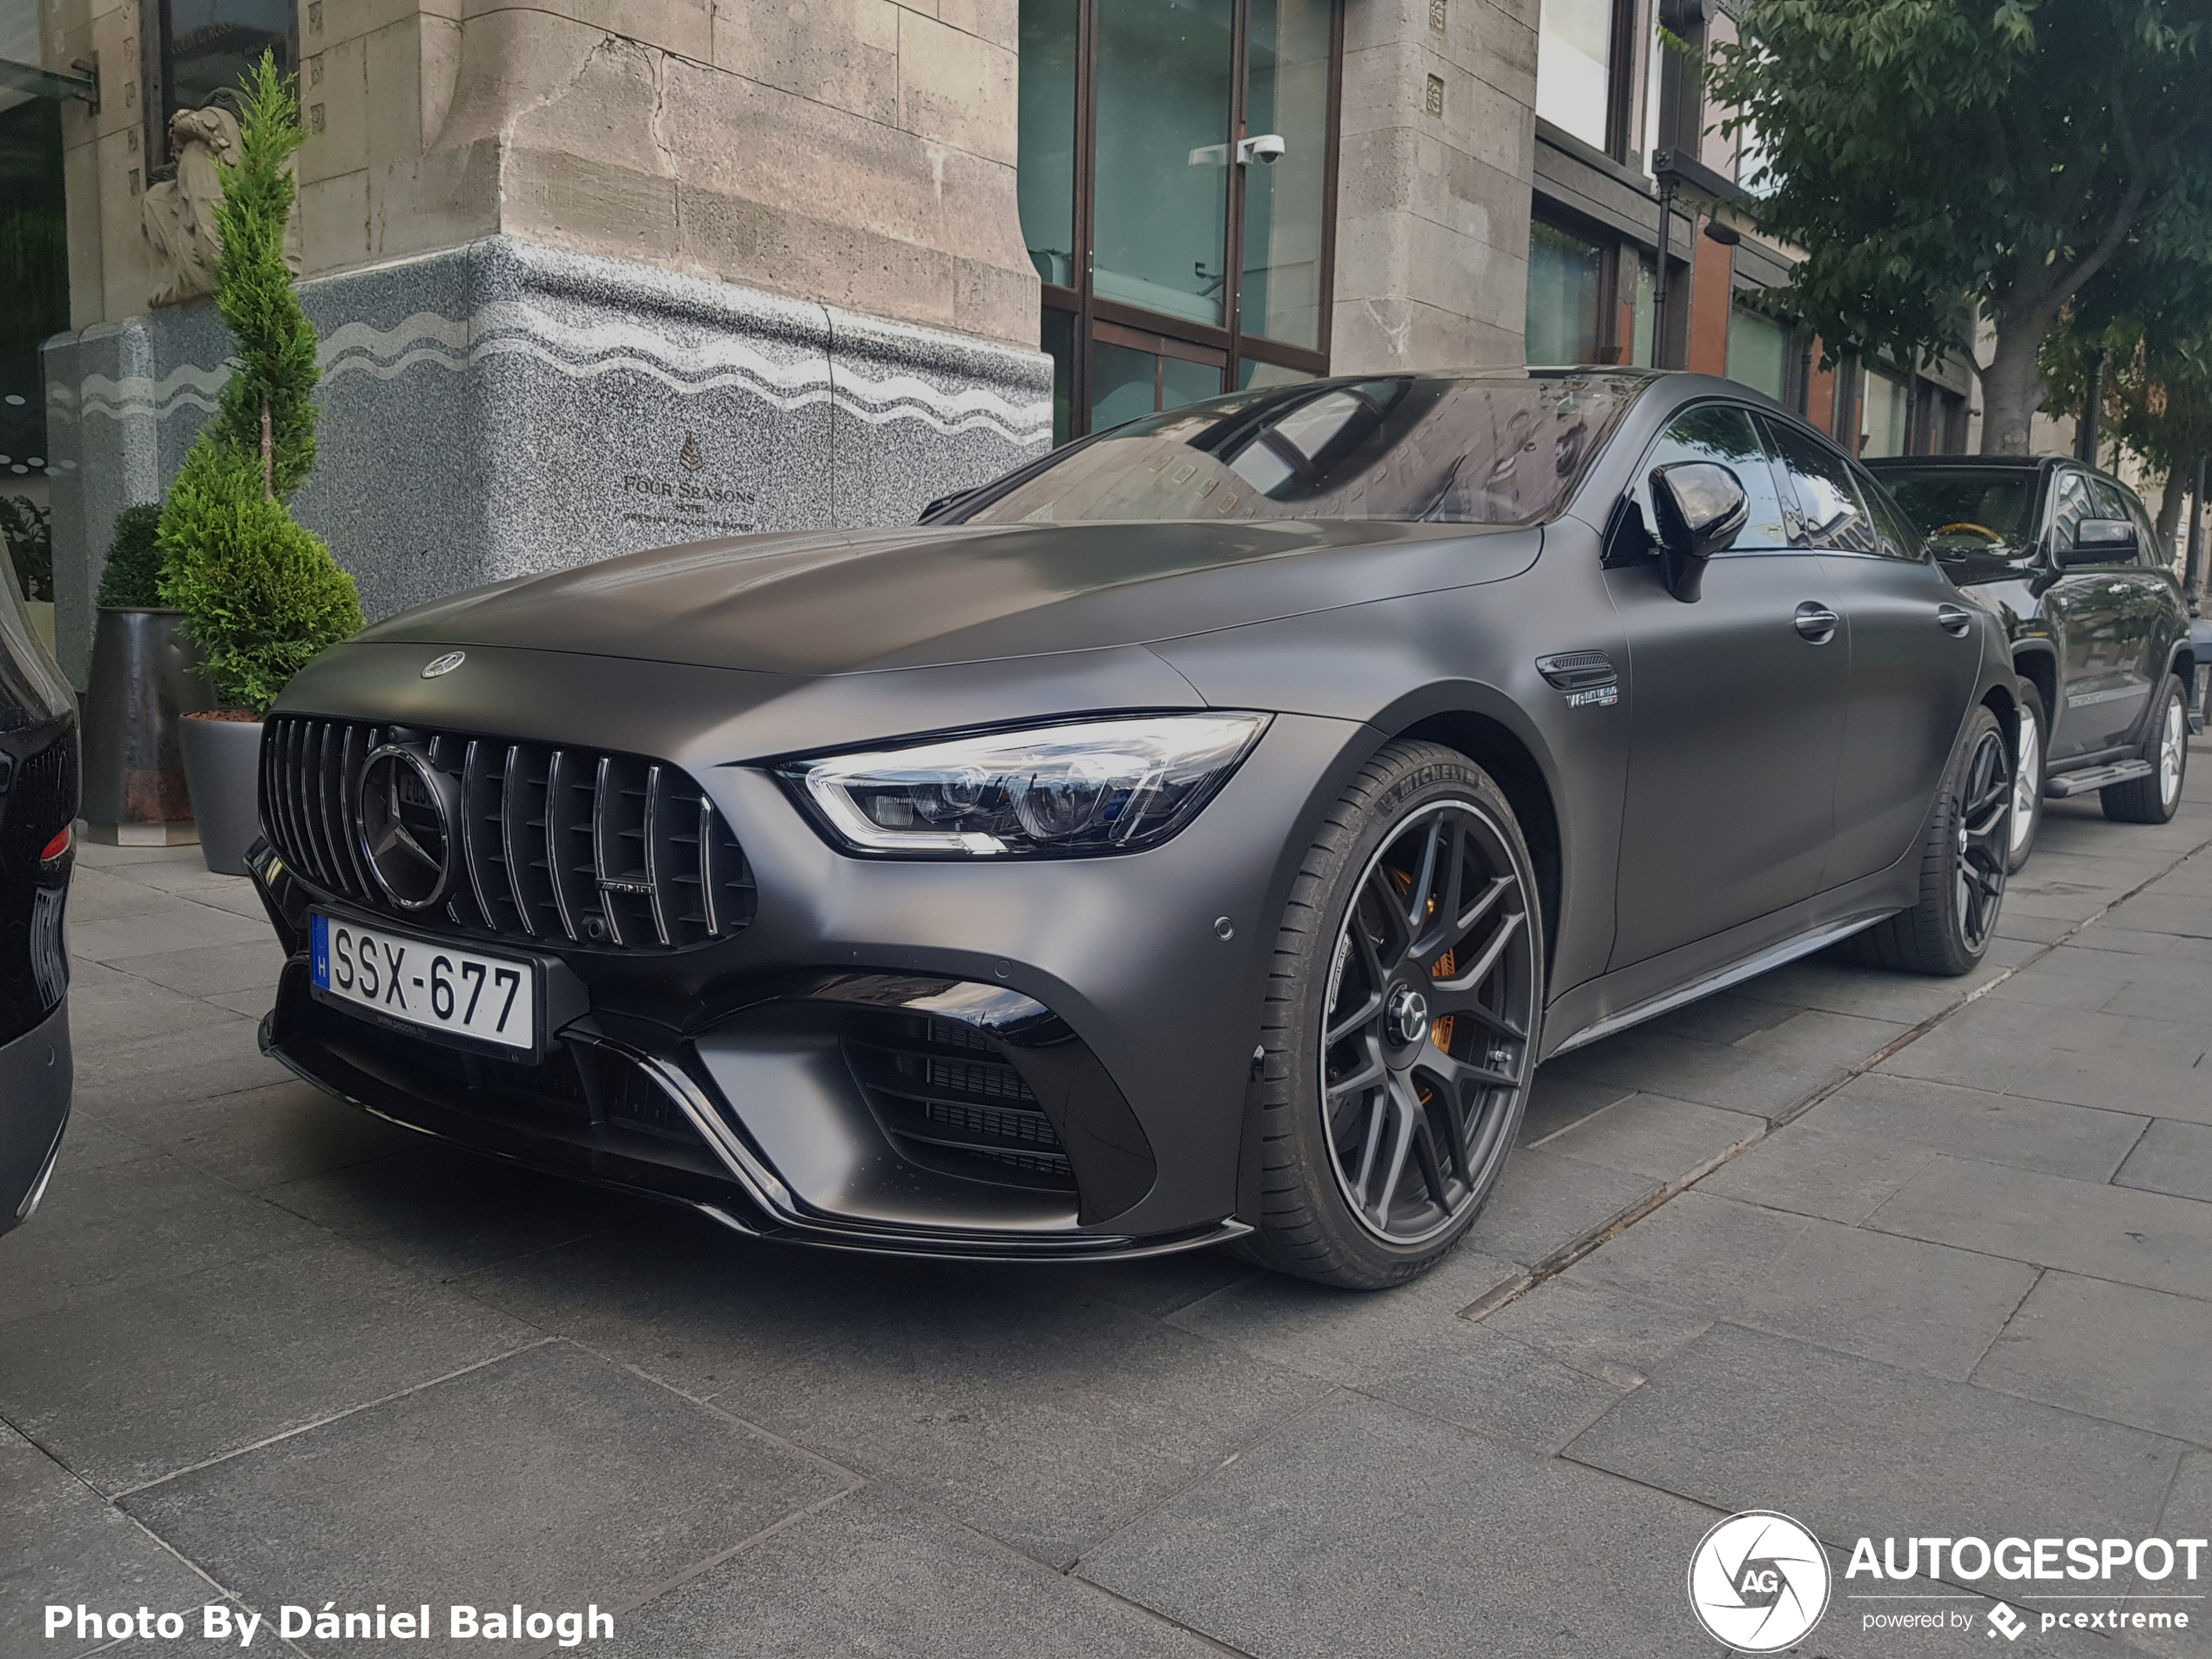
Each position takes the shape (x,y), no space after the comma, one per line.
(1953,620)
(1817,623)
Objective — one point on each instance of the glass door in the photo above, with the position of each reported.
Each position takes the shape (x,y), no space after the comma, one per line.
(1177,169)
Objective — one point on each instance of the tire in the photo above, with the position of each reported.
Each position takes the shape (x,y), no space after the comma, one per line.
(1962,864)
(2028,776)
(1378,1127)
(2155,799)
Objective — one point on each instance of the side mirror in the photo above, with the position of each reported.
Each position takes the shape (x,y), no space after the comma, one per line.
(2101,540)
(1702,508)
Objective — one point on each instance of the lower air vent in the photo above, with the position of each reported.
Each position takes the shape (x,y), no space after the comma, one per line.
(949,1100)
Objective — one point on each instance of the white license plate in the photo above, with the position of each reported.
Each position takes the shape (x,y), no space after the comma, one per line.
(426,982)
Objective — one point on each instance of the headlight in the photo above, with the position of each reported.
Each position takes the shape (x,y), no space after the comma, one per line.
(1096,786)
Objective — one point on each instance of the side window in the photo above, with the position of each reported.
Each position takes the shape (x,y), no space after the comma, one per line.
(1826,514)
(2116,502)
(1894,537)
(1722,432)
(2068,508)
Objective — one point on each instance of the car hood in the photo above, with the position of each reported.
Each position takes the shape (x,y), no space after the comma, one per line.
(828,603)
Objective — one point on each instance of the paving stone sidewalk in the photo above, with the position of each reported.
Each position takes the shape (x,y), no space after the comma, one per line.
(1897,1257)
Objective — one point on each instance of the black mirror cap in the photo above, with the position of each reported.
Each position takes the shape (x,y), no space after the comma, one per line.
(1702,508)
(2101,540)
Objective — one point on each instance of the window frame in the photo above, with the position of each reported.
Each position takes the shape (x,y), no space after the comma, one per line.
(1197,341)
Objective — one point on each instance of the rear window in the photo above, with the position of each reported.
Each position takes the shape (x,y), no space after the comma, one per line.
(1447,452)
(1967,509)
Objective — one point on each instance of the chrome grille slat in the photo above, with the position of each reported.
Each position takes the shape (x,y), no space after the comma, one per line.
(602,786)
(511,819)
(707,908)
(634,855)
(652,854)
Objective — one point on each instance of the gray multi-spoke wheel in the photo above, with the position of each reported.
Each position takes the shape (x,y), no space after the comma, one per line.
(2155,799)
(2027,776)
(1402,1024)
(1963,863)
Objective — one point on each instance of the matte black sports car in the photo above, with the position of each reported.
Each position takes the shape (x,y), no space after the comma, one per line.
(2068,558)
(1199,834)
(38,804)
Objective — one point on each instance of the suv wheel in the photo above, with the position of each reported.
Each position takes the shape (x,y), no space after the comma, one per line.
(2027,776)
(1962,864)
(2155,800)
(1401,1027)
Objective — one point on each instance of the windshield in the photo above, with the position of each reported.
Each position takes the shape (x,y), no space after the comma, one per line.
(1447,452)
(1967,509)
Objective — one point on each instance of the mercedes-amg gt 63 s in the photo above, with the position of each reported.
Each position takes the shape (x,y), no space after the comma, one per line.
(37,806)
(1200,835)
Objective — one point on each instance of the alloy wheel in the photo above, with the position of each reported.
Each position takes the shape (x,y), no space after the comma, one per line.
(2028,781)
(1426,1036)
(2173,748)
(1985,812)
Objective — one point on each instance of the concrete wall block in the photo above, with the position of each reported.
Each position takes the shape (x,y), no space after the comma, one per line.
(996,21)
(84,189)
(442,200)
(685,27)
(844,53)
(608,114)
(126,264)
(392,70)
(958,90)
(593,207)
(342,98)
(334,219)
(814,257)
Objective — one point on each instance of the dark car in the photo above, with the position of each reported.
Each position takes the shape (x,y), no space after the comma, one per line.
(2101,636)
(37,806)
(1200,835)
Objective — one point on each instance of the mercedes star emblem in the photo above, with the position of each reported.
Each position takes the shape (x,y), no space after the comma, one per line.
(444,665)
(405,817)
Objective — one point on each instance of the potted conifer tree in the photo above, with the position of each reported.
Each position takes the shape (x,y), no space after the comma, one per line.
(260,593)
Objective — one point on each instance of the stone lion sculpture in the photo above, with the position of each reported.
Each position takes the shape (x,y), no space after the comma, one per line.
(179,213)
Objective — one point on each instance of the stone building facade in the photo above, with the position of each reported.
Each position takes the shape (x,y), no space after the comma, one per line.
(594,277)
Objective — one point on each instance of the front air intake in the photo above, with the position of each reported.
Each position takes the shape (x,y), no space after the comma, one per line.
(553,845)
(949,1099)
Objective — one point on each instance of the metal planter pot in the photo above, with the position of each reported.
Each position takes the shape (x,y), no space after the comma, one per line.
(143,677)
(223,765)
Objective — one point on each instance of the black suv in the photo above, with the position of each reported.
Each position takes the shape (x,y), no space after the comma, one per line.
(2101,637)
(37,806)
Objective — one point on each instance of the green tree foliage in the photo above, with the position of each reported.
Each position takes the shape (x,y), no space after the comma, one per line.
(2156,397)
(1938,159)
(265,402)
(261,595)
(133,578)
(28,530)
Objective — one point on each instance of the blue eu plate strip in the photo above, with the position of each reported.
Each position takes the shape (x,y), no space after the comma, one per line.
(321,952)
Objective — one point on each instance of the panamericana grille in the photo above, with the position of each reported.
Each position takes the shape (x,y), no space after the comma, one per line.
(949,1099)
(556,845)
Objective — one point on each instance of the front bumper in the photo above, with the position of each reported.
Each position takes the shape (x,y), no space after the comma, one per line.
(637,1110)
(36,1074)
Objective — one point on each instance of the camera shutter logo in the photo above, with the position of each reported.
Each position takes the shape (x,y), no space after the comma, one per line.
(1758,1581)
